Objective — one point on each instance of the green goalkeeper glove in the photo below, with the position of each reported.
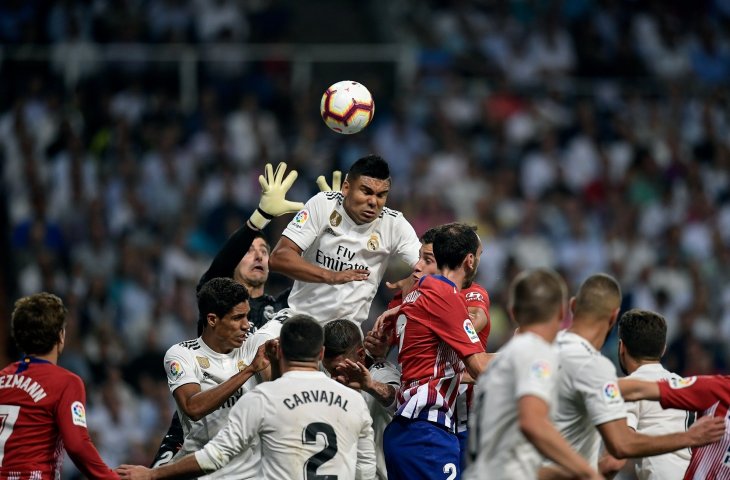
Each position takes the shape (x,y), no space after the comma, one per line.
(336,182)
(273,192)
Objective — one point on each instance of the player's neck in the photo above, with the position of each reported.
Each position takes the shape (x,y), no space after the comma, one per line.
(591,330)
(456,276)
(287,366)
(547,331)
(631,364)
(255,292)
(51,356)
(213,344)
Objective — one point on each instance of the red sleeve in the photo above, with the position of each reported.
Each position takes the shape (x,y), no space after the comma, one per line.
(693,393)
(477,297)
(71,419)
(450,321)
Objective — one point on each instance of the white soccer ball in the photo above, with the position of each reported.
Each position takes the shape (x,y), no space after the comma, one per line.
(347,107)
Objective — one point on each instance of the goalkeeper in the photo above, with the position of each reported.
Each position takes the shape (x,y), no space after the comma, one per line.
(244,257)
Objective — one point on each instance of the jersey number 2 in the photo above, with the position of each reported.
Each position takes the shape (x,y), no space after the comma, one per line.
(8,416)
(309,437)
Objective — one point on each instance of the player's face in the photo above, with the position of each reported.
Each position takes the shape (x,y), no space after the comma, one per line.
(330,364)
(426,264)
(232,329)
(365,198)
(471,273)
(253,269)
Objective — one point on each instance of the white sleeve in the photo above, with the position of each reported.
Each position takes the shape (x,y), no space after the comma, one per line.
(536,372)
(261,336)
(366,463)
(633,413)
(180,367)
(240,432)
(596,382)
(408,243)
(385,372)
(304,227)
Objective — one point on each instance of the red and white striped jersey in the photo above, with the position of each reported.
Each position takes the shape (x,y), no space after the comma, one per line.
(476,297)
(711,396)
(435,334)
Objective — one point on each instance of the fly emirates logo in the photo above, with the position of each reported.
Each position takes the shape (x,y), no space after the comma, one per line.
(341,260)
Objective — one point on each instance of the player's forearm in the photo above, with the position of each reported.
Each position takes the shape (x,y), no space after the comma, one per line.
(638,445)
(548,441)
(186,467)
(477,363)
(289,263)
(205,402)
(382,392)
(633,390)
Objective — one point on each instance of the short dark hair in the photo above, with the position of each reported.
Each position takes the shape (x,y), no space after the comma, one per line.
(301,339)
(599,294)
(369,166)
(453,242)
(429,236)
(219,296)
(644,334)
(36,323)
(341,336)
(536,296)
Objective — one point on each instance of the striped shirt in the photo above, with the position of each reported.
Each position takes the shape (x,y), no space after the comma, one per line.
(709,395)
(435,334)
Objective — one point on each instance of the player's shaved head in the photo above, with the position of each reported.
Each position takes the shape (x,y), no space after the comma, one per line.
(598,296)
(301,339)
(341,337)
(537,296)
(36,323)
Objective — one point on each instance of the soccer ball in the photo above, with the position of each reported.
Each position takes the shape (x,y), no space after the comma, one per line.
(347,107)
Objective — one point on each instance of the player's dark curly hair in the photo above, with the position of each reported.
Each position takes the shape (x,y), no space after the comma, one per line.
(301,339)
(341,336)
(369,166)
(219,296)
(536,296)
(643,333)
(429,236)
(453,242)
(36,323)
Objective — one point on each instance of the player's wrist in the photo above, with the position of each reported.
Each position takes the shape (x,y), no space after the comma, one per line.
(259,219)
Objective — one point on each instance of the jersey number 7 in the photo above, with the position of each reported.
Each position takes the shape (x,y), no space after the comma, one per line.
(8,416)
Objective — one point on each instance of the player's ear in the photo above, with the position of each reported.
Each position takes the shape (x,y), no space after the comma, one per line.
(360,352)
(212,319)
(572,305)
(321,354)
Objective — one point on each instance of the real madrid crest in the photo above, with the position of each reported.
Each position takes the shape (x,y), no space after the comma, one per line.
(335,218)
(203,362)
(373,243)
(241,366)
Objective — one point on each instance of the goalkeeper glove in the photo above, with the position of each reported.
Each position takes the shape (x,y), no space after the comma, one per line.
(336,182)
(273,192)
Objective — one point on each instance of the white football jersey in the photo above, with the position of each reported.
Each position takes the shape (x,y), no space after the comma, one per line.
(526,365)
(330,239)
(194,362)
(588,394)
(309,426)
(650,418)
(383,372)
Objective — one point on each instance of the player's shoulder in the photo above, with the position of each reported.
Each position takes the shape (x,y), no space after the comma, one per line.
(390,214)
(331,197)
(184,348)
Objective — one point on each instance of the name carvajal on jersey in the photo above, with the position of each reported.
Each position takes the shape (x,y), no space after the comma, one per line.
(315,396)
(341,260)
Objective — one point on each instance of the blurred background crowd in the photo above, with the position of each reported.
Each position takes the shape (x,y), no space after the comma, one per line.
(583,135)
